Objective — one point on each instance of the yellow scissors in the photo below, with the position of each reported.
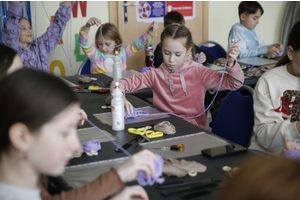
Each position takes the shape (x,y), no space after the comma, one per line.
(148,133)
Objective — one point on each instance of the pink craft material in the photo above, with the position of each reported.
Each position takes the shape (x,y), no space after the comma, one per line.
(92,145)
(159,162)
(143,180)
(292,154)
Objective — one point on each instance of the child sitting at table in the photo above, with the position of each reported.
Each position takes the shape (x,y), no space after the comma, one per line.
(251,43)
(179,84)
(41,139)
(202,56)
(17,34)
(276,100)
(101,55)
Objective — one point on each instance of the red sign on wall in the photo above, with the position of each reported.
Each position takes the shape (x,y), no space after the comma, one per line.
(186,8)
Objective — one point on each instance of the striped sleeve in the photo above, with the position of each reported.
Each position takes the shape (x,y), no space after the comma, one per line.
(90,50)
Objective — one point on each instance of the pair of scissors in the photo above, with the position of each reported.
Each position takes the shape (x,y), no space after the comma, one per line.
(176,147)
(148,133)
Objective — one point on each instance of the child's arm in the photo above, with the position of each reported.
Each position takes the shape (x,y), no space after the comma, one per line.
(232,80)
(90,50)
(131,84)
(54,32)
(12,27)
(244,51)
(140,43)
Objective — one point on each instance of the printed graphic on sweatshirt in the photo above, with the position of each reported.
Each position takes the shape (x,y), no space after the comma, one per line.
(290,104)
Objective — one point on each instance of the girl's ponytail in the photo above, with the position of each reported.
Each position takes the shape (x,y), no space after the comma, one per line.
(283,61)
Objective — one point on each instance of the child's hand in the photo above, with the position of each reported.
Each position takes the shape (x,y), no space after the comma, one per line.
(142,161)
(232,54)
(201,58)
(273,49)
(67,3)
(83,117)
(131,192)
(92,21)
(279,46)
(267,67)
(155,27)
(127,105)
(289,145)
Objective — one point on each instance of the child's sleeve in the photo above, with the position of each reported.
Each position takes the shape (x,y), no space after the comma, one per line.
(209,58)
(232,80)
(54,32)
(244,51)
(270,129)
(90,50)
(134,83)
(137,45)
(12,27)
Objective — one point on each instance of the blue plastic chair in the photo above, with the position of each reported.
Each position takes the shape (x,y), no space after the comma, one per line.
(85,67)
(235,118)
(217,51)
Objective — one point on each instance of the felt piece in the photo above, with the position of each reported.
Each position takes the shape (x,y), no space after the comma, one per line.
(108,100)
(166,127)
(220,61)
(180,168)
(84,79)
(253,72)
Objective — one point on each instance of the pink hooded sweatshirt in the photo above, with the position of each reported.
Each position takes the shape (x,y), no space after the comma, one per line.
(183,91)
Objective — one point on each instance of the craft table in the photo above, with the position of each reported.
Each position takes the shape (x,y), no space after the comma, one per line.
(85,169)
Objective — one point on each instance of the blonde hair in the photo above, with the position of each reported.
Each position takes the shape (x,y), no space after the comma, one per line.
(109,31)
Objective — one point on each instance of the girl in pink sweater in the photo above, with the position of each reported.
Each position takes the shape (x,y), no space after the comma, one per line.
(179,84)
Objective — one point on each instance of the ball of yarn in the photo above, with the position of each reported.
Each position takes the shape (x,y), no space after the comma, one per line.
(84,79)
(143,180)
(292,154)
(92,145)
(166,127)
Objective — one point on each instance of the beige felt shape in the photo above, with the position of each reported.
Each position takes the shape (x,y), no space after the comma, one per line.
(253,72)
(84,79)
(180,168)
(89,153)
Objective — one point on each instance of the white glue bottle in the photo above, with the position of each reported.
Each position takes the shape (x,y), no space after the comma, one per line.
(117,109)
(117,68)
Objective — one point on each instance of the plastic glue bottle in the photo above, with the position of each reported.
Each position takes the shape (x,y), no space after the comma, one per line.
(117,109)
(117,69)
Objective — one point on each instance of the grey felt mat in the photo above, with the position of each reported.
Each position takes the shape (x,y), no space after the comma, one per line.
(107,119)
(86,134)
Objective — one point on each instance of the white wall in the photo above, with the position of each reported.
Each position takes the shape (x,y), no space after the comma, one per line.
(223,14)
(97,9)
